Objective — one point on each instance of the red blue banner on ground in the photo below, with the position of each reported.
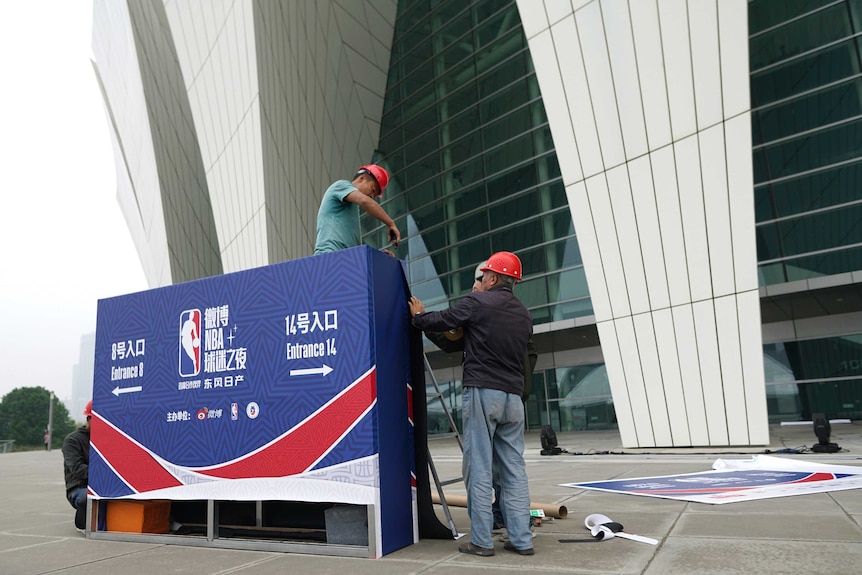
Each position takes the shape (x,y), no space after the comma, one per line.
(729,481)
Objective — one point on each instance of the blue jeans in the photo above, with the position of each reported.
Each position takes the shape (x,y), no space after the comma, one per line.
(78,499)
(496,510)
(494,439)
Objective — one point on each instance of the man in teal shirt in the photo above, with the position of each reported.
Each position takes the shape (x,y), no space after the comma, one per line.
(338,217)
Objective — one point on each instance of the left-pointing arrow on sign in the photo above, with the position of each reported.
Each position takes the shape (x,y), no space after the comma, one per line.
(324,371)
(118,390)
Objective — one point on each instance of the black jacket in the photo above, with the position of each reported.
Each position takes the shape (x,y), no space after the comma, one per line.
(455,345)
(76,458)
(497,328)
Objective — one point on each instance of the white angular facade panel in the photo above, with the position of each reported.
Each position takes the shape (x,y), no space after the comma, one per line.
(690,372)
(628,239)
(246,247)
(608,245)
(173,191)
(713,168)
(619,386)
(710,371)
(382,17)
(634,378)
(574,78)
(238,170)
(751,344)
(676,48)
(576,194)
(555,10)
(644,85)
(621,51)
(653,379)
(727,328)
(153,267)
(733,46)
(703,25)
(138,182)
(554,96)
(649,232)
(670,223)
(270,102)
(666,346)
(697,248)
(740,174)
(533,17)
(225,108)
(601,85)
(646,33)
(321,103)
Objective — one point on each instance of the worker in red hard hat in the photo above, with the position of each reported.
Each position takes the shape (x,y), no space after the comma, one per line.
(76,466)
(338,216)
(452,341)
(497,328)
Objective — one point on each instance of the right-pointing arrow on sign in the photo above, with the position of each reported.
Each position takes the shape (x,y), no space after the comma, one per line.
(324,371)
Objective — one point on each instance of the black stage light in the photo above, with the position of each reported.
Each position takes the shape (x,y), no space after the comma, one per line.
(549,441)
(823,429)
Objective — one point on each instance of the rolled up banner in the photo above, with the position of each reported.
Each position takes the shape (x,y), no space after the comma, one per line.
(603,528)
(550,510)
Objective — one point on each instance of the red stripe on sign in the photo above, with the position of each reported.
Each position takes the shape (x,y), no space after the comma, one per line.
(303,446)
(816,476)
(132,463)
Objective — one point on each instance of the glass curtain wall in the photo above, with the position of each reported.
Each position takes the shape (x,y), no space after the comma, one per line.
(577,398)
(811,376)
(806,94)
(465,136)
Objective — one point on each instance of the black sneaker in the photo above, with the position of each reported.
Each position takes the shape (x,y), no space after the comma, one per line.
(471,549)
(509,547)
(81,518)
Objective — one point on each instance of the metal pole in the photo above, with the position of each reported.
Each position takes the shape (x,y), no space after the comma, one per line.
(50,419)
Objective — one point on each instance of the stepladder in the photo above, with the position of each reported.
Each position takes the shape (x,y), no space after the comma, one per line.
(453,432)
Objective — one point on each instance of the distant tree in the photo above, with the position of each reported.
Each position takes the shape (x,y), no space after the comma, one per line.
(24,417)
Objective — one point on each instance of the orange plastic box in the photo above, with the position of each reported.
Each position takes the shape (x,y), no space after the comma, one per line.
(138,516)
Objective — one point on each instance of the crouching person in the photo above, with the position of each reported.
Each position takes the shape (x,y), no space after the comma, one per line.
(76,465)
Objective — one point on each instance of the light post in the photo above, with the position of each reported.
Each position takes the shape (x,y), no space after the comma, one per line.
(50,418)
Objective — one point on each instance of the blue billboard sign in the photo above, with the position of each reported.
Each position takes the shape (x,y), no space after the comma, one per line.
(285,382)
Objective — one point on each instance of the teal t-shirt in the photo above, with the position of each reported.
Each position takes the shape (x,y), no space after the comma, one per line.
(337,220)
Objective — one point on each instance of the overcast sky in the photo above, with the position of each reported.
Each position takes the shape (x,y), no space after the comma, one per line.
(64,243)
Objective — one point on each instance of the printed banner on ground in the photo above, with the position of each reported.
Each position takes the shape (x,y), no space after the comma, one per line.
(731,480)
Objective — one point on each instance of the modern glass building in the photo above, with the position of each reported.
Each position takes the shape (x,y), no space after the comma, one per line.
(806,93)
(680,180)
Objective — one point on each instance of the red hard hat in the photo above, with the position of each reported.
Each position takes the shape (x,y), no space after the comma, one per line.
(504,263)
(381,175)
(88,411)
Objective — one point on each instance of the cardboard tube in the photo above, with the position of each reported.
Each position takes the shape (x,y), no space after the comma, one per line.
(551,510)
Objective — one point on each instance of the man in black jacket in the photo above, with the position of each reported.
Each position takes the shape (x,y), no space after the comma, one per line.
(452,341)
(76,464)
(497,328)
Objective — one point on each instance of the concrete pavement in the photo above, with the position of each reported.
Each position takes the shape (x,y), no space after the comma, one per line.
(811,534)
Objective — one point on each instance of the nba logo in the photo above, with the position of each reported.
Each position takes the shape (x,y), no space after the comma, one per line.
(190,342)
(234,411)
